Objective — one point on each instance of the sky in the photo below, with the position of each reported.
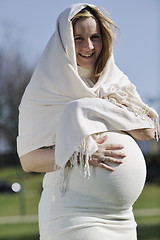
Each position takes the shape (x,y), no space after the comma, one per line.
(29,24)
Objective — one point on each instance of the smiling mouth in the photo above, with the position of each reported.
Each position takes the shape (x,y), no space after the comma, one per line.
(86,55)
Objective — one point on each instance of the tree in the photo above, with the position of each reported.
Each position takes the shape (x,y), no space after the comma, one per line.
(14,76)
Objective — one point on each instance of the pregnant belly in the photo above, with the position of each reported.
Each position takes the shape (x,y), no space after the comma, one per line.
(118,189)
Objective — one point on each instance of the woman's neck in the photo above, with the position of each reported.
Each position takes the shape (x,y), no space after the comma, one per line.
(85,72)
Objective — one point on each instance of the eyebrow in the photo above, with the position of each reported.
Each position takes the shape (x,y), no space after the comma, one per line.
(82,34)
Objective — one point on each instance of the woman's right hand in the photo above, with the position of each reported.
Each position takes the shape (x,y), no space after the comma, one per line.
(107,153)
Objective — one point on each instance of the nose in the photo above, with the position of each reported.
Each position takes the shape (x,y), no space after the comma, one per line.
(88,44)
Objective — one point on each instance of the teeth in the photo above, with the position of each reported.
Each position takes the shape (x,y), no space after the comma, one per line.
(88,55)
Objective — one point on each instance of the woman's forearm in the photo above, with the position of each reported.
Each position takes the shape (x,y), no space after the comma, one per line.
(142,134)
(43,160)
(40,160)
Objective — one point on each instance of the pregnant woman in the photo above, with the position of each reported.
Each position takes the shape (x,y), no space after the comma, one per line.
(78,120)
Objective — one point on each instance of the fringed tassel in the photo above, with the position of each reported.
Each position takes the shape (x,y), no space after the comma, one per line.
(153,115)
(127,97)
(82,157)
(157,128)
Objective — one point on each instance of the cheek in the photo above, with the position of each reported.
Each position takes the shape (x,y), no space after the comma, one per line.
(77,48)
(99,49)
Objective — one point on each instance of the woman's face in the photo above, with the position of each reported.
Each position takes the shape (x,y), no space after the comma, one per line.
(88,42)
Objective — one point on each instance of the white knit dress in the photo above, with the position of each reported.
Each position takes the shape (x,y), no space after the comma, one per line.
(98,208)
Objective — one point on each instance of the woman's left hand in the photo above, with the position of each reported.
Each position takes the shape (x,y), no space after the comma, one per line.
(107,153)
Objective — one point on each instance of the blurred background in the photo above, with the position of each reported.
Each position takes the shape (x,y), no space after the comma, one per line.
(25,28)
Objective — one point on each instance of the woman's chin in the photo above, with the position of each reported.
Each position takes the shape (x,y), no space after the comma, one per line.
(86,65)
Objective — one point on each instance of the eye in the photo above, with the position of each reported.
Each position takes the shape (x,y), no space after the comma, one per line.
(78,38)
(95,37)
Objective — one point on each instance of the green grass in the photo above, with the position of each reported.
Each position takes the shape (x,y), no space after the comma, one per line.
(26,202)
(149,232)
(148,220)
(21,231)
(150,197)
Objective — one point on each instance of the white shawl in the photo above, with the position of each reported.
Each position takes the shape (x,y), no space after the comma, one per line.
(59,109)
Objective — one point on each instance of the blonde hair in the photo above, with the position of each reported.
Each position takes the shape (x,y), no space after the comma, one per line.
(107,28)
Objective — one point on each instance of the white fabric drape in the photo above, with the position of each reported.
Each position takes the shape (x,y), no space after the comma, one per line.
(58,108)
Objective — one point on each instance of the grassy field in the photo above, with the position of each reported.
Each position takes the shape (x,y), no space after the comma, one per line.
(26,202)
(20,231)
(150,197)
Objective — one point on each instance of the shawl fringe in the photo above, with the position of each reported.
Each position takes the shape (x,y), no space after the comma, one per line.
(127,97)
(82,157)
